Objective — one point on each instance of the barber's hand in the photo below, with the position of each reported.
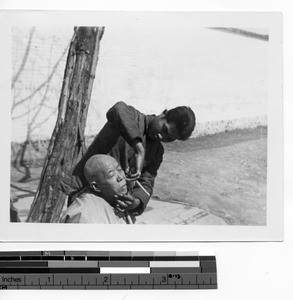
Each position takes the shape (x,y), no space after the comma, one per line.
(136,170)
(126,202)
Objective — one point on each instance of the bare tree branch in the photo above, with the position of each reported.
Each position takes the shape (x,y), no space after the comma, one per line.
(42,84)
(24,60)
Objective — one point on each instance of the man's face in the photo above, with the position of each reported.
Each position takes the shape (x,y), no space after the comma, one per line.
(112,179)
(161,130)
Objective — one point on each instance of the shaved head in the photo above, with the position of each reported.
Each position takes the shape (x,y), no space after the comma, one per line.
(96,166)
(105,175)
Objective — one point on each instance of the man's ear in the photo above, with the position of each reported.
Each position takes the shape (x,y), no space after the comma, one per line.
(95,187)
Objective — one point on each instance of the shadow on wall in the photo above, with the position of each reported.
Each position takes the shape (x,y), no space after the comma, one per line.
(31,106)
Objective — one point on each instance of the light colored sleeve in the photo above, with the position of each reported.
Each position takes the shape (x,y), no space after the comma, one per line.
(73,218)
(90,209)
(74,212)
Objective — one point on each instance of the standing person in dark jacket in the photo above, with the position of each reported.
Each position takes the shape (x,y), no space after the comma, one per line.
(135,140)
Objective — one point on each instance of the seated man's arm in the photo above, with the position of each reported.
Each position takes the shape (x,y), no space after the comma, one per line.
(73,213)
(91,209)
(73,219)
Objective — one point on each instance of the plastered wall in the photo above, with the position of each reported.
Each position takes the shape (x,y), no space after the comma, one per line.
(222,76)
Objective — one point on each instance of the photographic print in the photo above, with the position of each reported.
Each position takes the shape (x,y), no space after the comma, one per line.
(143,126)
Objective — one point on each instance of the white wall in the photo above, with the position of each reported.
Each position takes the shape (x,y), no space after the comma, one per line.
(222,76)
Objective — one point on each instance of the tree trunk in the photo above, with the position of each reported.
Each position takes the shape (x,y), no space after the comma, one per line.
(67,141)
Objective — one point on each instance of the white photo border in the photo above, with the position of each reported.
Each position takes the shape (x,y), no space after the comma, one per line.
(40,232)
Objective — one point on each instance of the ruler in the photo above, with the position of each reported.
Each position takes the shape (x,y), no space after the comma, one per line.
(107,270)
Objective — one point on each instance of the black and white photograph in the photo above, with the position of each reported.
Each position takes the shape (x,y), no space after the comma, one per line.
(167,125)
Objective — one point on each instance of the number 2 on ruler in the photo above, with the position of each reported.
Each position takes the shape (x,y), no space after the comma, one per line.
(106,278)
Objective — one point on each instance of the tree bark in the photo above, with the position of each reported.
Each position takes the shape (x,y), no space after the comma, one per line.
(67,141)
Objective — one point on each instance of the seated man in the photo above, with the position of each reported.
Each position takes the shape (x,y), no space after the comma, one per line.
(98,202)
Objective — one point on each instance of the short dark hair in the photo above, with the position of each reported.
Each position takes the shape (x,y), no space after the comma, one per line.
(184,119)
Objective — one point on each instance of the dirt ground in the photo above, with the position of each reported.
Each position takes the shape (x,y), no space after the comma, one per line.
(222,175)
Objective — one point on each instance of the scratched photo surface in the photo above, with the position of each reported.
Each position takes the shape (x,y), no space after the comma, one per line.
(153,62)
